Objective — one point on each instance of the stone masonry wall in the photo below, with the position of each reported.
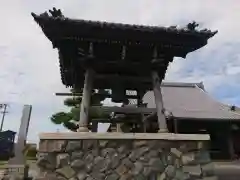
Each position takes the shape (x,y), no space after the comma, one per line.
(124,160)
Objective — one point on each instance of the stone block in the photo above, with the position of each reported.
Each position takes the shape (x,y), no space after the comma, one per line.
(122,149)
(203,145)
(177,163)
(181,175)
(89,144)
(101,164)
(170,171)
(81,175)
(122,169)
(73,178)
(156,165)
(160,144)
(188,158)
(162,176)
(208,169)
(137,153)
(66,172)
(102,143)
(113,176)
(170,159)
(203,157)
(76,155)
(97,175)
(90,178)
(147,171)
(62,160)
(108,152)
(116,159)
(194,170)
(78,164)
(73,145)
(114,143)
(46,161)
(88,158)
(127,162)
(209,178)
(53,176)
(52,145)
(126,177)
(137,168)
(139,177)
(89,167)
(176,152)
(188,146)
(140,143)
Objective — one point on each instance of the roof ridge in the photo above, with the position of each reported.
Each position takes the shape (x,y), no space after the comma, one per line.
(190,28)
(182,84)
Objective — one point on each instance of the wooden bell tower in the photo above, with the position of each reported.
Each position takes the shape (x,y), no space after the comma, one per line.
(119,57)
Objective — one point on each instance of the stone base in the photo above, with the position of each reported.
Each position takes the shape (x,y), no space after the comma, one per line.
(117,156)
(16,172)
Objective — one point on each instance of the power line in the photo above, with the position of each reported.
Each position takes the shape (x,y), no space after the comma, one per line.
(4,106)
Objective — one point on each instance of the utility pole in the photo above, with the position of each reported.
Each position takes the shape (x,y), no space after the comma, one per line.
(4,106)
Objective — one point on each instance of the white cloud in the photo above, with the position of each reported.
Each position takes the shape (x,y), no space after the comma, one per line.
(29,71)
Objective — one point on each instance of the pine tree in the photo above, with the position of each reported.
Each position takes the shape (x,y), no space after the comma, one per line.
(70,119)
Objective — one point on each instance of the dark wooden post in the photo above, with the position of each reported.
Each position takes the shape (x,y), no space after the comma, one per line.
(158,94)
(94,126)
(159,102)
(86,98)
(229,139)
(175,124)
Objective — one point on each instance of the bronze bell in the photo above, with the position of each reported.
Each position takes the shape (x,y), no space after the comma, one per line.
(118,93)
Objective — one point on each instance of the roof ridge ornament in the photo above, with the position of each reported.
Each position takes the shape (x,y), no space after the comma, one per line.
(192,26)
(55,13)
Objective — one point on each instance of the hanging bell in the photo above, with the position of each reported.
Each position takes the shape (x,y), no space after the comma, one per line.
(118,93)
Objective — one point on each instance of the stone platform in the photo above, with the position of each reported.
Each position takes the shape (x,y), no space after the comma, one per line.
(124,156)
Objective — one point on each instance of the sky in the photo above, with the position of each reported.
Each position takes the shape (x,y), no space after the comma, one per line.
(29,69)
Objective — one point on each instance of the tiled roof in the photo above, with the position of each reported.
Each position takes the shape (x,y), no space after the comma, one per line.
(57,16)
(191,101)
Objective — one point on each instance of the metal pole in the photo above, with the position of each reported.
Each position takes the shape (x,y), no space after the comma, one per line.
(3,116)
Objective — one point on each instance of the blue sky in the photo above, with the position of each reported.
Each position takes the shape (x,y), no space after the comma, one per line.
(29,71)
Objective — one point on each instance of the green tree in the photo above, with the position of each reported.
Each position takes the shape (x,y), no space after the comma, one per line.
(70,119)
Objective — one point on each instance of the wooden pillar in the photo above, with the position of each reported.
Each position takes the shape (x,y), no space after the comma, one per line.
(86,98)
(119,127)
(94,126)
(159,102)
(175,122)
(229,139)
(140,94)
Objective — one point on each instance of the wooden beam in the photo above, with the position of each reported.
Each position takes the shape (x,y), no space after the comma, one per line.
(97,94)
(115,77)
(68,94)
(115,120)
(127,110)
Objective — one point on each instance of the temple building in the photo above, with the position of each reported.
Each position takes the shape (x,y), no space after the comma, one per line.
(190,109)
